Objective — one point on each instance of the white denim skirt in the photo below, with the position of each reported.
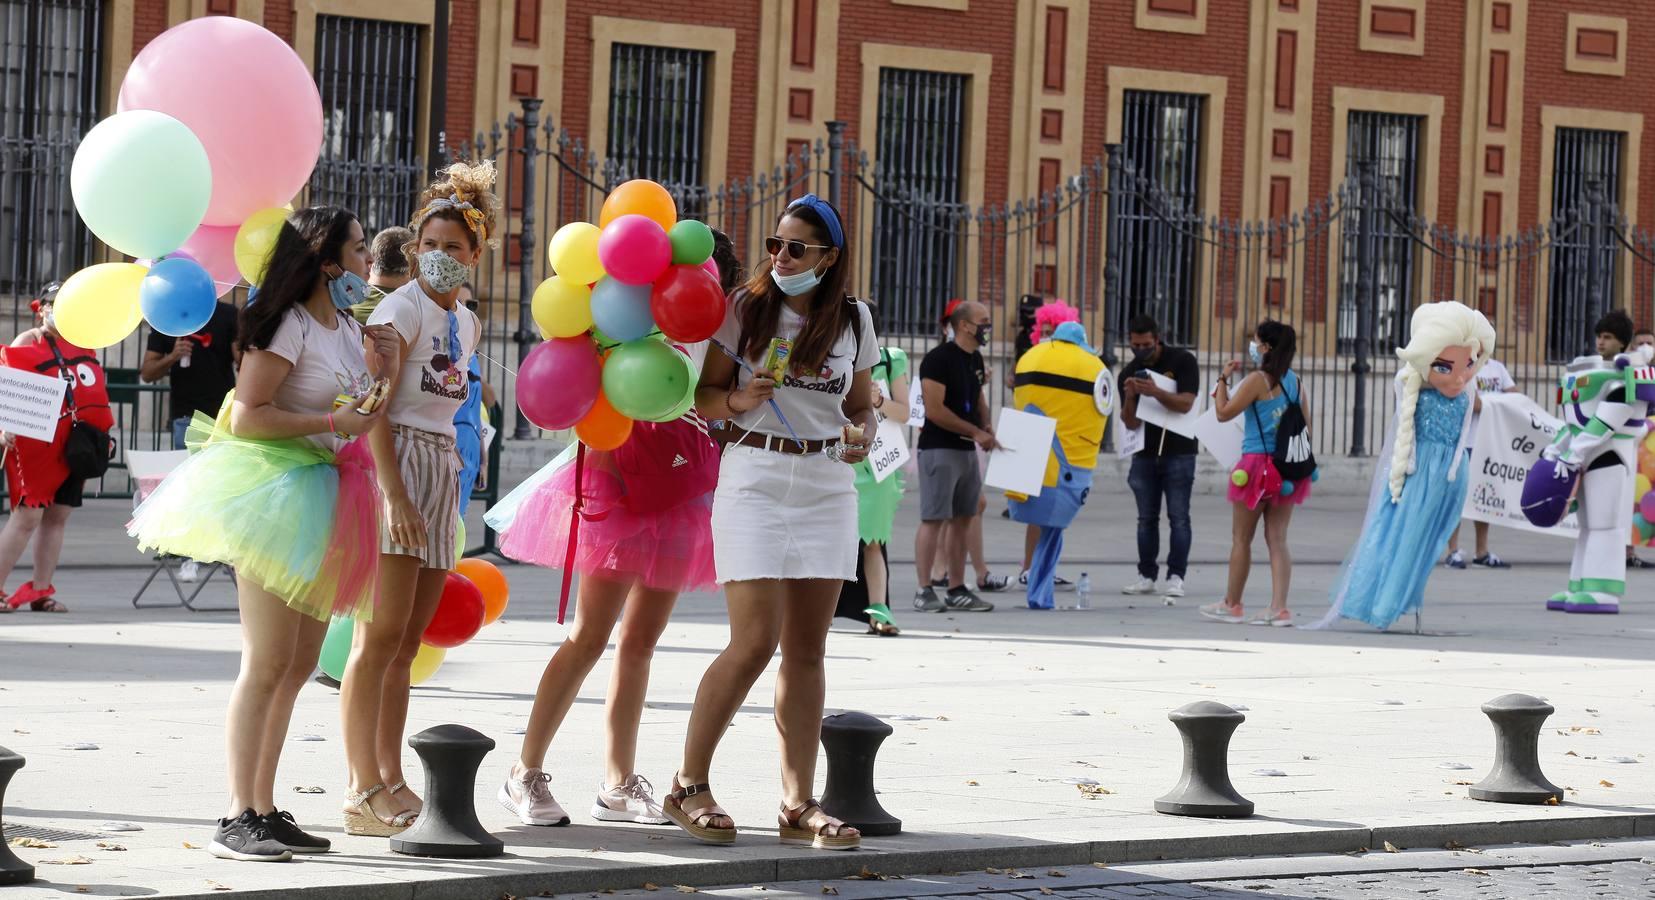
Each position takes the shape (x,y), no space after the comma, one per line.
(777,515)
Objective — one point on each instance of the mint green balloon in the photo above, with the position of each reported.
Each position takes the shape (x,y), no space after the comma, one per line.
(141,182)
(688,402)
(645,379)
(692,242)
(336,647)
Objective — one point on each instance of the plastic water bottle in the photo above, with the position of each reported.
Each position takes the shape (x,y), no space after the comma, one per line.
(1083,592)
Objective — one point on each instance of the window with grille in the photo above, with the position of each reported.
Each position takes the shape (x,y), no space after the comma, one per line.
(368,72)
(919,212)
(1161,141)
(658,114)
(1389,143)
(1580,158)
(51,75)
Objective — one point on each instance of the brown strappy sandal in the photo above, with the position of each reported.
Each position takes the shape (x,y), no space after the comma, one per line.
(695,824)
(794,831)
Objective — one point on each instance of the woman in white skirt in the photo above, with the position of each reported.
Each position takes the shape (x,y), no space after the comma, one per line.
(799,407)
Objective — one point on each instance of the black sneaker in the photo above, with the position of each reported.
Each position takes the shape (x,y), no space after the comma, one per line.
(247,838)
(284,829)
(926,600)
(963,599)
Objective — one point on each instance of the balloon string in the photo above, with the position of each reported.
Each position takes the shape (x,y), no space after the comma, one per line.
(494,361)
(776,408)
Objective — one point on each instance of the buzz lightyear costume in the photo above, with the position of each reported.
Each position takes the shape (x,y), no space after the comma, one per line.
(1589,468)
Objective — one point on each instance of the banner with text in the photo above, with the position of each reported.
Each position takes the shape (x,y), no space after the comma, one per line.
(1511,432)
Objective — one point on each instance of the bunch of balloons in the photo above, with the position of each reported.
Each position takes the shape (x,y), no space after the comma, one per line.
(623,289)
(1643,498)
(217,128)
(475,595)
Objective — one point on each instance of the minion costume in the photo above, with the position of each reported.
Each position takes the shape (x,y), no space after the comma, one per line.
(1061,378)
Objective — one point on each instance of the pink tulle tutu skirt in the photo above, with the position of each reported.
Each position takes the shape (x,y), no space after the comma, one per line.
(1259,482)
(671,550)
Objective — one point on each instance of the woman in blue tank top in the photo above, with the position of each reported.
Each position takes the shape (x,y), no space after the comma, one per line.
(1257,490)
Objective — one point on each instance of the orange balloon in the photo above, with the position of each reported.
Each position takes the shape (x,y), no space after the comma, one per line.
(640,197)
(491,582)
(603,428)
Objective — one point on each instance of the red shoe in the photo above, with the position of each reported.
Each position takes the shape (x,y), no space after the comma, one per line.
(38,600)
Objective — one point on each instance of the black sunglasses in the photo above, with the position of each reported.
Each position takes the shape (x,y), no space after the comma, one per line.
(795,249)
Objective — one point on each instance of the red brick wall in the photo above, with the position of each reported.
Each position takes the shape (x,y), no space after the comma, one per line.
(149,18)
(462,68)
(278,17)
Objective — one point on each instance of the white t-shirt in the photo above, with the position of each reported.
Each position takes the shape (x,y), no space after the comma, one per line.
(813,404)
(432,385)
(1492,378)
(326,362)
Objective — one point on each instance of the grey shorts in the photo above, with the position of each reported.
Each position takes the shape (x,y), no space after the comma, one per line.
(949,484)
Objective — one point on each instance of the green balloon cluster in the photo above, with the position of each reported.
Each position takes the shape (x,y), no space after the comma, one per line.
(647,379)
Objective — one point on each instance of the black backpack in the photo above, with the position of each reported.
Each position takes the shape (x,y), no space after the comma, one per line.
(1292,456)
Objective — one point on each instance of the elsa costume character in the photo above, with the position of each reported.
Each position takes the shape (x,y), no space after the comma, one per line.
(1417,491)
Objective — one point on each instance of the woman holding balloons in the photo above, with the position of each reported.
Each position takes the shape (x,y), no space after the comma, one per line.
(278,489)
(418,468)
(791,371)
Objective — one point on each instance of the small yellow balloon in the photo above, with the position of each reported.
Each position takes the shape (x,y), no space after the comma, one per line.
(1640,486)
(573,252)
(255,239)
(98,306)
(563,307)
(426,663)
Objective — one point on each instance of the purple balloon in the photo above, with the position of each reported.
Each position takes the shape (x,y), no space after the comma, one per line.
(1646,505)
(558,382)
(634,250)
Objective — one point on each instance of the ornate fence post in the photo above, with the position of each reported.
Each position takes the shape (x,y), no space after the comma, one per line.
(1597,225)
(526,336)
(836,150)
(1111,249)
(1367,202)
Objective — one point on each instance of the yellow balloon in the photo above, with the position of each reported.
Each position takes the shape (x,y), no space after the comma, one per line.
(98,306)
(426,663)
(563,307)
(573,252)
(1649,442)
(1641,486)
(255,239)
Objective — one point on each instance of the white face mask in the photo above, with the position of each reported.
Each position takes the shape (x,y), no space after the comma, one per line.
(794,285)
(443,273)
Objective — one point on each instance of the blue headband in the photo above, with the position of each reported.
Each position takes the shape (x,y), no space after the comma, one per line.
(836,232)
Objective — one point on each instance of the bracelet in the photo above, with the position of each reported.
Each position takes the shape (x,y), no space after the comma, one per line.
(881,403)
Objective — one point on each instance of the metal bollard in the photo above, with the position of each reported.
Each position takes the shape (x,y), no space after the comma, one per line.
(852,741)
(1516,777)
(1204,789)
(12,869)
(448,825)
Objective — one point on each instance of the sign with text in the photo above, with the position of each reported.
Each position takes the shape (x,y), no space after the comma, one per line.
(1025,446)
(916,406)
(30,403)
(889,451)
(1511,432)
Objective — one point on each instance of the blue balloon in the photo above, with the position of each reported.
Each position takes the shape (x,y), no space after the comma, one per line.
(621,310)
(177,297)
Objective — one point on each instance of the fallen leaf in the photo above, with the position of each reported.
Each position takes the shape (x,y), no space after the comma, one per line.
(1013,873)
(105,845)
(67,861)
(32,843)
(1094,790)
(1100,865)
(1474,872)
(829,889)
(1462,783)
(307,789)
(1453,845)
(190,846)
(1047,891)
(651,887)
(215,886)
(1551,801)
(1572,753)
(868,874)
(1392,848)
(1057,873)
(686,889)
(993,871)
(971,783)
(942,718)
(82,889)
(1603,783)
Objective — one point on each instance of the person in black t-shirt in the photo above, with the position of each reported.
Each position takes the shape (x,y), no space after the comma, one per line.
(1166,464)
(201,366)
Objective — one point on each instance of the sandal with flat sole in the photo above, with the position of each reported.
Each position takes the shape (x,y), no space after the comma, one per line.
(695,823)
(361,820)
(794,831)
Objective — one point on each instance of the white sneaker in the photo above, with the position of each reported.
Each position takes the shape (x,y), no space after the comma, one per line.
(632,801)
(189,570)
(1174,589)
(1141,586)
(529,797)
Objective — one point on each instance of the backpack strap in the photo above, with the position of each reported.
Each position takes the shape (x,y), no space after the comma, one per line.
(64,372)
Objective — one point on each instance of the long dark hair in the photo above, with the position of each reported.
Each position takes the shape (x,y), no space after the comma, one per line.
(1283,341)
(729,265)
(309,239)
(759,304)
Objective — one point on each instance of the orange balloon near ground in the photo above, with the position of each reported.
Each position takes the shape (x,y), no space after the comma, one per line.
(491,582)
(640,197)
(603,428)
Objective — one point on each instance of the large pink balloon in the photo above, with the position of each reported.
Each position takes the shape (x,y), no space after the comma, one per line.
(214,247)
(247,96)
(634,250)
(558,382)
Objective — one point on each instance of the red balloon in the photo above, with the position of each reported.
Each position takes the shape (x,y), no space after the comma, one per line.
(558,382)
(459,613)
(687,303)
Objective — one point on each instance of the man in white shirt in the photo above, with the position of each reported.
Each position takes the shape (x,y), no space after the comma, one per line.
(1492,378)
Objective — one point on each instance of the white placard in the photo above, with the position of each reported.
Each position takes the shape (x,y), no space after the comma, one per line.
(487,433)
(1221,439)
(916,405)
(1152,411)
(1128,441)
(30,403)
(889,451)
(1511,432)
(1025,447)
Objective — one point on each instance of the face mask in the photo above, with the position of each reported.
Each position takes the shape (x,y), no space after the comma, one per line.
(347,289)
(1253,354)
(442,273)
(794,285)
(1142,354)
(983,331)
(948,332)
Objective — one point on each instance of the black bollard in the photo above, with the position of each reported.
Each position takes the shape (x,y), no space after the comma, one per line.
(448,825)
(1516,777)
(852,741)
(12,869)
(1204,789)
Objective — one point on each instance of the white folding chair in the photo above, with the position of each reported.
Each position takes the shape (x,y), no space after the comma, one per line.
(148,469)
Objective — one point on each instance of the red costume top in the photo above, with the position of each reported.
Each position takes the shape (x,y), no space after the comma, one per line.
(35,470)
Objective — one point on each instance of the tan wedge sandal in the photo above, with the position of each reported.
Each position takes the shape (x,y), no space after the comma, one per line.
(361,820)
(695,823)
(828,833)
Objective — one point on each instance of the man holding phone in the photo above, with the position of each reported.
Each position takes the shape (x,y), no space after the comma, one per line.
(1165,467)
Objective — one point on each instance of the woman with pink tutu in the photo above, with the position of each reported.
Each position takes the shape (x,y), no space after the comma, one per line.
(644,537)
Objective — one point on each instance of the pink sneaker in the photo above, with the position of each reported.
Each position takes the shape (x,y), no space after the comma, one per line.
(1281,618)
(1223,612)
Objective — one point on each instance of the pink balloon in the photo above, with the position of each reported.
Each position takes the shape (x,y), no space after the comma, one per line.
(711,265)
(558,382)
(1646,505)
(634,250)
(247,96)
(214,247)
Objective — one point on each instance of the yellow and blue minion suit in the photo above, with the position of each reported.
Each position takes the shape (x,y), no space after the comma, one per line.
(1061,378)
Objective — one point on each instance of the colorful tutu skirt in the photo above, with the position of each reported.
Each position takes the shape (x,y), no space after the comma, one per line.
(293,517)
(1255,481)
(670,550)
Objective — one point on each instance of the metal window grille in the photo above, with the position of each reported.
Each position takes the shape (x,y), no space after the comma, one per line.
(51,75)
(658,114)
(368,73)
(916,247)
(1161,139)
(1581,157)
(1390,144)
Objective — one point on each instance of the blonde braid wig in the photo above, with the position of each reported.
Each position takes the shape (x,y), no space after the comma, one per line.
(1434,328)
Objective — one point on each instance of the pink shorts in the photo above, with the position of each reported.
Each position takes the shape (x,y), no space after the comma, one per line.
(1255,480)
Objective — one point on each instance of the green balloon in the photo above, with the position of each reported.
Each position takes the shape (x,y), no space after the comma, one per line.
(692,242)
(645,379)
(336,647)
(688,402)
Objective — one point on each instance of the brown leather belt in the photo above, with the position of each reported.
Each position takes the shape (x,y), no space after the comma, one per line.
(730,434)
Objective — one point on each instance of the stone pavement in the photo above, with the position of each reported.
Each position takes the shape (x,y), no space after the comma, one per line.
(1022,738)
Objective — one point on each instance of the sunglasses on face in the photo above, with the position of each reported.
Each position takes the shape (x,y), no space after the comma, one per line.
(795,249)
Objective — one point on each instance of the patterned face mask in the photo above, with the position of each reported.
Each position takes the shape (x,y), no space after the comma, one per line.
(442,272)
